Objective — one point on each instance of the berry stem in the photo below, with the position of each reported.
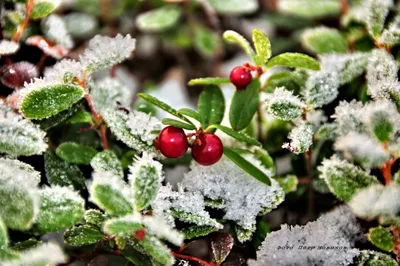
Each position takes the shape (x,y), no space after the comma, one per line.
(186,257)
(396,248)
(21,28)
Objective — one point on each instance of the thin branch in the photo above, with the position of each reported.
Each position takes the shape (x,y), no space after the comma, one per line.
(186,257)
(21,28)
(396,247)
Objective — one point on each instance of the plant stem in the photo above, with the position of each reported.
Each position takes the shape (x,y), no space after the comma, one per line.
(396,246)
(344,6)
(387,171)
(21,28)
(186,257)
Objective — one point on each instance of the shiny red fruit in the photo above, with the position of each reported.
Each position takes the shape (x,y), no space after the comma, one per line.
(15,75)
(172,142)
(207,149)
(139,234)
(240,77)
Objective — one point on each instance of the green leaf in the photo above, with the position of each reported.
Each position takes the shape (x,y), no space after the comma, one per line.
(344,179)
(375,13)
(208,81)
(61,117)
(43,8)
(247,166)
(237,135)
(382,238)
(50,100)
(283,105)
(323,40)
(3,235)
(243,235)
(205,41)
(211,105)
(382,125)
(61,173)
(234,37)
(260,234)
(158,252)
(8,254)
(197,231)
(136,257)
(75,153)
(159,19)
(94,217)
(282,79)
(192,218)
(107,161)
(60,207)
(190,113)
(111,194)
(374,258)
(163,106)
(294,60)
(244,106)
(82,235)
(27,244)
(177,123)
(263,47)
(309,8)
(288,183)
(234,7)
(81,117)
(265,159)
(123,226)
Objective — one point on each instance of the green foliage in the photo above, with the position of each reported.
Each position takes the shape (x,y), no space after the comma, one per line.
(158,20)
(284,105)
(197,231)
(373,258)
(82,235)
(231,7)
(323,40)
(94,217)
(263,47)
(244,106)
(288,183)
(156,250)
(75,153)
(177,123)
(3,235)
(208,81)
(123,226)
(234,37)
(50,100)
(43,8)
(243,235)
(382,238)
(237,135)
(310,9)
(294,60)
(205,41)
(211,105)
(190,113)
(107,161)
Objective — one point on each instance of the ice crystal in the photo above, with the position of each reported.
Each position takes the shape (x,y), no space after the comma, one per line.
(375,14)
(158,227)
(349,117)
(142,124)
(15,167)
(242,196)
(44,254)
(104,51)
(381,74)
(321,88)
(363,149)
(376,200)
(64,71)
(107,161)
(284,105)
(8,47)
(301,138)
(324,242)
(391,35)
(55,30)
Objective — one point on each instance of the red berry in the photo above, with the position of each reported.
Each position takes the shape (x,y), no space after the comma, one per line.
(172,142)
(207,149)
(15,75)
(240,77)
(139,234)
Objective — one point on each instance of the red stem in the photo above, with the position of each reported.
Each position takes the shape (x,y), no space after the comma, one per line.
(387,171)
(186,257)
(396,247)
(21,28)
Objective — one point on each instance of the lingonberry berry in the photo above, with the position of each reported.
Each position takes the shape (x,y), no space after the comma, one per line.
(240,77)
(15,75)
(172,142)
(139,234)
(207,149)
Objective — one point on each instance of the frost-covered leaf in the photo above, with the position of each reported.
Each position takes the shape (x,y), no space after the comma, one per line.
(309,8)
(227,182)
(301,138)
(327,131)
(343,178)
(55,30)
(263,47)
(82,235)
(221,245)
(104,52)
(145,176)
(234,37)
(197,231)
(244,105)
(243,235)
(159,228)
(94,217)
(362,149)
(303,245)
(294,60)
(211,105)
(43,8)
(283,105)
(3,235)
(375,15)
(381,74)
(158,252)
(75,153)
(27,244)
(64,71)
(382,238)
(134,129)
(60,207)
(322,40)
(349,117)
(349,66)
(123,226)
(61,117)
(111,194)
(107,161)
(80,25)
(208,81)
(44,254)
(10,167)
(8,47)
(19,196)
(374,258)
(321,88)
(237,135)
(41,100)
(234,7)
(376,200)
(391,35)
(159,19)
(61,173)
(288,183)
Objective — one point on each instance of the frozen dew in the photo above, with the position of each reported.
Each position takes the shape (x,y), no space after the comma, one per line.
(375,13)
(64,71)
(158,227)
(8,47)
(391,35)
(13,167)
(284,105)
(301,138)
(55,30)
(321,88)
(349,117)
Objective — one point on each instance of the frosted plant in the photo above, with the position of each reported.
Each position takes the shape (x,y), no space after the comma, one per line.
(158,227)
(321,88)
(64,71)
(8,166)
(376,12)
(391,35)
(56,31)
(301,138)
(284,105)
(363,149)
(8,47)
(303,245)
(243,197)
(80,24)
(349,117)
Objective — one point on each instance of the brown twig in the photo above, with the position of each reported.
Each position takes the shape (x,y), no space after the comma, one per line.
(396,246)
(344,6)
(186,257)
(387,171)
(21,28)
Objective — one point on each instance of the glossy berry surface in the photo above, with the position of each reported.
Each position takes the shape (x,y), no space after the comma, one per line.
(139,234)
(240,77)
(207,149)
(15,75)
(172,142)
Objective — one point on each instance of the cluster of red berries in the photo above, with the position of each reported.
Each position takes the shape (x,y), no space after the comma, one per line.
(207,148)
(241,77)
